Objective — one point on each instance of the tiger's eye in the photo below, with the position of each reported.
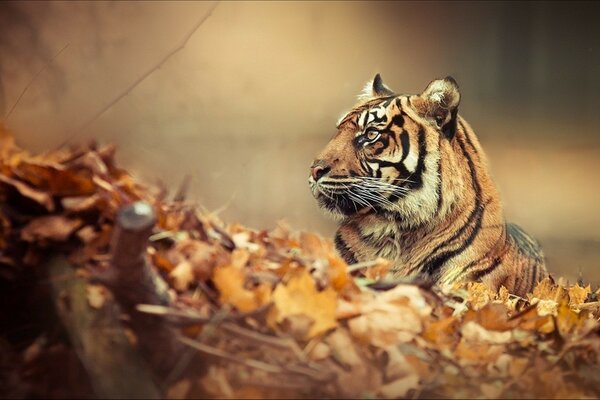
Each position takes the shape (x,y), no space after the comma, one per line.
(372,135)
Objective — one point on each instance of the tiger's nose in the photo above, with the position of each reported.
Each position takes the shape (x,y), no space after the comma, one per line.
(319,169)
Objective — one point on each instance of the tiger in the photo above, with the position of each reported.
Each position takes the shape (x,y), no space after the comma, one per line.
(408,181)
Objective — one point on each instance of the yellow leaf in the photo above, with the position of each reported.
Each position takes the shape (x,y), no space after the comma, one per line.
(300,297)
(479,294)
(578,294)
(548,290)
(230,280)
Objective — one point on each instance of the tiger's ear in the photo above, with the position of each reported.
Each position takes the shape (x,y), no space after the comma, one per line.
(439,102)
(374,89)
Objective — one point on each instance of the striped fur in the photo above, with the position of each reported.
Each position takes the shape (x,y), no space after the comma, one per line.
(409,181)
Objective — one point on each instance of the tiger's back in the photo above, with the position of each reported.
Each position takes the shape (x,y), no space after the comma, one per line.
(411,183)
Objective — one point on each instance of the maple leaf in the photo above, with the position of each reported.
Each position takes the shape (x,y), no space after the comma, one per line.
(230,281)
(479,294)
(300,297)
(548,290)
(578,294)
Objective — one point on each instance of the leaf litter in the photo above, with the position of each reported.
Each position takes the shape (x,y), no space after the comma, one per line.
(278,311)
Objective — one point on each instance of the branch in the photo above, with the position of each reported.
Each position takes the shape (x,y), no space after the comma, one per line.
(46,65)
(145,75)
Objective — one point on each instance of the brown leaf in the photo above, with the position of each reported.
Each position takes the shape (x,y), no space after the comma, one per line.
(53,227)
(492,316)
(83,204)
(55,178)
(400,387)
(38,196)
(391,317)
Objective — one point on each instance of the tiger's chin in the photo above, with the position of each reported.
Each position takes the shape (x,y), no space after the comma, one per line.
(337,205)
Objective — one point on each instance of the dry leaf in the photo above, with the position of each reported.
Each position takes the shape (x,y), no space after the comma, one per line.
(578,294)
(38,196)
(96,295)
(230,281)
(182,276)
(400,387)
(300,297)
(52,227)
(479,294)
(391,317)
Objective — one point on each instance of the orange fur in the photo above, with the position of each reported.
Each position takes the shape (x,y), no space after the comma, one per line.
(410,181)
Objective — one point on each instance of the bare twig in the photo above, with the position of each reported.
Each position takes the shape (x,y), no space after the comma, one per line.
(286,343)
(145,75)
(257,364)
(44,67)
(208,331)
(361,265)
(249,362)
(183,188)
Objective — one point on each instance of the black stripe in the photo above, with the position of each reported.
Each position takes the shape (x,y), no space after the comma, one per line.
(465,270)
(433,264)
(477,275)
(375,119)
(440,186)
(435,261)
(415,179)
(533,275)
(417,176)
(387,102)
(405,142)
(344,250)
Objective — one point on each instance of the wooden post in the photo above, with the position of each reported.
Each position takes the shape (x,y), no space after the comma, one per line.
(135,282)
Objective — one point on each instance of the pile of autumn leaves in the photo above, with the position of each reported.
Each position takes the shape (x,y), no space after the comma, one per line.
(278,312)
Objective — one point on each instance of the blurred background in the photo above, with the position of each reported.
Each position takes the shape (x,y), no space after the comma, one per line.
(255,93)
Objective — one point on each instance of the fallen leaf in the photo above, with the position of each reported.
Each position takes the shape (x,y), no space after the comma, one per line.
(40,197)
(182,276)
(479,294)
(548,290)
(578,294)
(300,297)
(391,317)
(400,387)
(52,227)
(474,332)
(96,295)
(230,280)
(55,178)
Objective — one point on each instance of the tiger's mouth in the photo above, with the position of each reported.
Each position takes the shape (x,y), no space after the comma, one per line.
(351,195)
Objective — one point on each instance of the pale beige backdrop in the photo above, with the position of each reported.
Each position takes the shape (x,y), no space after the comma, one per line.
(255,93)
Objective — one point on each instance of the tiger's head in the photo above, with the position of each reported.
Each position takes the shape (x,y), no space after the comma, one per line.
(385,156)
